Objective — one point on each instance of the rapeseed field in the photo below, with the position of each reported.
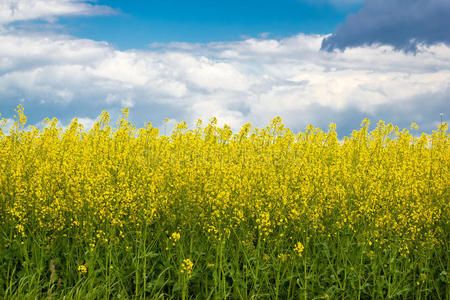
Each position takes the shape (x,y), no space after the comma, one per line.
(117,212)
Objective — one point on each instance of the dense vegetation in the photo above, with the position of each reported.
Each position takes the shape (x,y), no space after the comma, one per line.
(205,212)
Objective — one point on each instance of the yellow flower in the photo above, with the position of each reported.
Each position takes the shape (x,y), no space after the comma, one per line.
(175,236)
(186,267)
(299,249)
(82,269)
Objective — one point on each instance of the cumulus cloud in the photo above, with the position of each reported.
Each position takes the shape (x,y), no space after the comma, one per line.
(251,80)
(22,10)
(403,24)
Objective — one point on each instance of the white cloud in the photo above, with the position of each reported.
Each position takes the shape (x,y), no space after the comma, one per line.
(6,125)
(251,80)
(22,10)
(86,122)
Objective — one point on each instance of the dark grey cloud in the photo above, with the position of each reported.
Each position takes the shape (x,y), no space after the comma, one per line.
(403,24)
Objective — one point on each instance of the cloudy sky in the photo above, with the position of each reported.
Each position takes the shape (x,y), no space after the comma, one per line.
(308,61)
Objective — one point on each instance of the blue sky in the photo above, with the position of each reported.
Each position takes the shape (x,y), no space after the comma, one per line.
(138,23)
(308,61)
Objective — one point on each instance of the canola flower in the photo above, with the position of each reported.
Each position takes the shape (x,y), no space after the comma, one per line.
(175,237)
(298,249)
(385,188)
(82,269)
(187,266)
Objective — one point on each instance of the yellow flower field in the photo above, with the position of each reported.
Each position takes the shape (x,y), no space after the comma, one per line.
(208,212)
